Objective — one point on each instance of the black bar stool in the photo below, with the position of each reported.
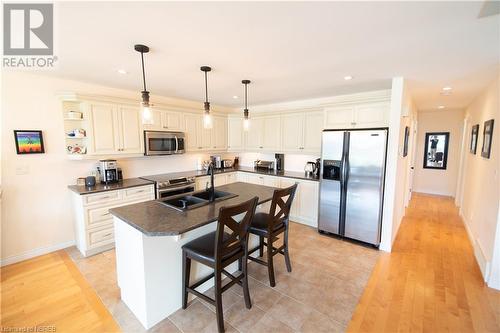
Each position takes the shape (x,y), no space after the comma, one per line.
(219,249)
(270,225)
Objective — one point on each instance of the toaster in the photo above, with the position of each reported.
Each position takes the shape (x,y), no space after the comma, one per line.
(268,165)
(227,164)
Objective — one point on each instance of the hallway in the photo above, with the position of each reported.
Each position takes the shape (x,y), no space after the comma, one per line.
(431,281)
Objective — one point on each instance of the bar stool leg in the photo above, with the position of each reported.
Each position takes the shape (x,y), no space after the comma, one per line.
(261,246)
(218,300)
(246,292)
(287,255)
(270,264)
(186,271)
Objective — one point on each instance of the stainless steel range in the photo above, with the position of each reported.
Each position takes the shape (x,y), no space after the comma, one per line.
(167,185)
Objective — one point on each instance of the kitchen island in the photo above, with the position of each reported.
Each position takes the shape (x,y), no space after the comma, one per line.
(148,240)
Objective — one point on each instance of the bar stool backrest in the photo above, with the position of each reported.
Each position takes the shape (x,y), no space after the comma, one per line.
(238,231)
(280,206)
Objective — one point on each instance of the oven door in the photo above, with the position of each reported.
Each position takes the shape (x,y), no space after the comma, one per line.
(171,191)
(163,143)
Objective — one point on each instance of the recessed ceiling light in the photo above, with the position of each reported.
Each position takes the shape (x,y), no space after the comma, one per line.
(235,97)
(446,88)
(122,71)
(348,77)
(441,107)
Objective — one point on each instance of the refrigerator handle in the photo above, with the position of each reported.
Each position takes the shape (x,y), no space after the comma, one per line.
(346,169)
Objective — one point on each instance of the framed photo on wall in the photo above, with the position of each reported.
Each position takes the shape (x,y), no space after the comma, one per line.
(487,138)
(436,150)
(29,142)
(473,139)
(407,138)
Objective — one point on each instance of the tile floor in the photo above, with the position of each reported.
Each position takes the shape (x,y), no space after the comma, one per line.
(319,295)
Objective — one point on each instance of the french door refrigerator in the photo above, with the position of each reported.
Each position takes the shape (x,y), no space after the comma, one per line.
(352,183)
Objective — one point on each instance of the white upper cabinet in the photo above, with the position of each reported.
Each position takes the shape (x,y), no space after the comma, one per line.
(235,134)
(264,134)
(313,128)
(130,134)
(301,132)
(219,133)
(339,117)
(254,134)
(366,115)
(271,133)
(171,121)
(104,129)
(165,121)
(372,115)
(192,127)
(115,129)
(291,128)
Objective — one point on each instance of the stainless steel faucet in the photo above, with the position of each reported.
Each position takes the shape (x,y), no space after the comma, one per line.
(211,190)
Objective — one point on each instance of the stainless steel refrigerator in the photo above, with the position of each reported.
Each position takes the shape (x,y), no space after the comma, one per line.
(352,183)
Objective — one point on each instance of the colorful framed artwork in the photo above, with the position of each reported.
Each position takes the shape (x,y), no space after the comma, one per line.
(473,139)
(487,138)
(29,142)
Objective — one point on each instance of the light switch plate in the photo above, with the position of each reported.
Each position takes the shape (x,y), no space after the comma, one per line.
(22,169)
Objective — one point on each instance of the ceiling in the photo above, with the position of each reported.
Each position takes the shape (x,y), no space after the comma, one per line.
(290,50)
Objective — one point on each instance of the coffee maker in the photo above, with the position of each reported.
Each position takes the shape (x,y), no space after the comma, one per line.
(279,161)
(109,171)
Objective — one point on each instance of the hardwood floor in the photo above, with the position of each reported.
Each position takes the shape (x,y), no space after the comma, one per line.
(431,281)
(50,291)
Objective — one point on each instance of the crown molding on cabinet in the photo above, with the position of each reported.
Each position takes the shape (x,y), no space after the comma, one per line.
(318,104)
(71,96)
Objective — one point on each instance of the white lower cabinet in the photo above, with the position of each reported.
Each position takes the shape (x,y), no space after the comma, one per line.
(305,204)
(94,222)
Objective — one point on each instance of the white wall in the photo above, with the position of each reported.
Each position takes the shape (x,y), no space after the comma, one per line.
(36,211)
(396,185)
(433,181)
(481,184)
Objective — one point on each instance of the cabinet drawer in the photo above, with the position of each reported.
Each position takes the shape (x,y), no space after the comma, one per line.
(101,197)
(99,215)
(138,191)
(101,236)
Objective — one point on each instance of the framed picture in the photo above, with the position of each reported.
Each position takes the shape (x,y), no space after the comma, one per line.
(436,150)
(487,137)
(407,138)
(473,139)
(29,142)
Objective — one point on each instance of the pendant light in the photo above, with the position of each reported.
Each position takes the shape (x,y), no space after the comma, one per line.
(147,116)
(246,120)
(207,118)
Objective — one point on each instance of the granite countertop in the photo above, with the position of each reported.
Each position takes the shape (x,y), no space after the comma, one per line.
(288,174)
(153,218)
(125,183)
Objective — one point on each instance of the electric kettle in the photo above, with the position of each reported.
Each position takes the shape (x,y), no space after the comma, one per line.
(310,168)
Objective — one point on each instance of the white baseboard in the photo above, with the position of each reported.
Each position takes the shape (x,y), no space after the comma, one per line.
(432,192)
(483,263)
(304,221)
(35,253)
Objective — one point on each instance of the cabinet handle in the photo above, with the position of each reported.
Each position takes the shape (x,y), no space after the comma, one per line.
(108,213)
(353,123)
(109,234)
(165,126)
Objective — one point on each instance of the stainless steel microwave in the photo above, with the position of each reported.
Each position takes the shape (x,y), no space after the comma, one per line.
(163,143)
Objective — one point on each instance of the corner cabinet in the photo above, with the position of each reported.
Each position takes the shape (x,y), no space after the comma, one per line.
(368,115)
(115,129)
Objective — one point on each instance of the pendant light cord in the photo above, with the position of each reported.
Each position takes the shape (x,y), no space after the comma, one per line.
(143,71)
(246,85)
(206,87)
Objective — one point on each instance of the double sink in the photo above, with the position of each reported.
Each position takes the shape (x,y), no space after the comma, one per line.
(195,200)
